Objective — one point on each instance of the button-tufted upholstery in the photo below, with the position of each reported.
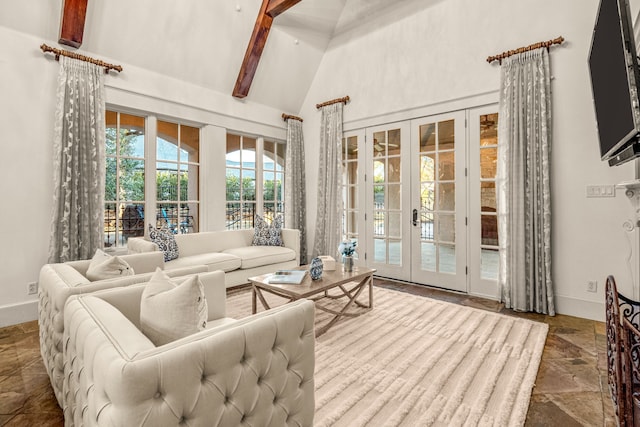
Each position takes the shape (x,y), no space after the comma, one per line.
(256,371)
(57,282)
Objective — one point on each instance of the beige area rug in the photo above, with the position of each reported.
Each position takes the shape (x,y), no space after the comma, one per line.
(415,361)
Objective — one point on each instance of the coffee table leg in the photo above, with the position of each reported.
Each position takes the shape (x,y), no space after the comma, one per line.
(342,312)
(371,291)
(253,299)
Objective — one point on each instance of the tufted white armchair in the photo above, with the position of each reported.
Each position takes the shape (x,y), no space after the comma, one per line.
(256,371)
(57,282)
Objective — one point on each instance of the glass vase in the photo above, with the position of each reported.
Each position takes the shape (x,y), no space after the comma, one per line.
(347,263)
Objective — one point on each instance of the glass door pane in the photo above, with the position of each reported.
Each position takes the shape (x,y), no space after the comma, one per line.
(438,196)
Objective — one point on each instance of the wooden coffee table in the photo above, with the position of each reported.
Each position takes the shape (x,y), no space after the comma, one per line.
(349,284)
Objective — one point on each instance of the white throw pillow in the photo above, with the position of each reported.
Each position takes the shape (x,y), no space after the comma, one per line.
(170,310)
(105,266)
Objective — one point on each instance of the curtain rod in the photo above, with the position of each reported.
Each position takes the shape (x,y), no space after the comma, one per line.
(59,52)
(334,101)
(286,117)
(538,45)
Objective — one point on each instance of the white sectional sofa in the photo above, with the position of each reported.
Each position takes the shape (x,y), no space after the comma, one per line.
(255,371)
(230,251)
(57,282)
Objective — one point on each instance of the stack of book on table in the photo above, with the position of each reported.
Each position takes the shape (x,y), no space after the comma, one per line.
(288,277)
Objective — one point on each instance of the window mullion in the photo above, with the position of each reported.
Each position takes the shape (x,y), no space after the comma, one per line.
(178,173)
(150,176)
(259,176)
(116,214)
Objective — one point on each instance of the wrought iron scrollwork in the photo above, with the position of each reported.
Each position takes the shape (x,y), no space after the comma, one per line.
(623,353)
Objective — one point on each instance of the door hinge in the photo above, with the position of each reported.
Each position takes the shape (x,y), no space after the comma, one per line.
(365,256)
(365,217)
(465,171)
(466,220)
(466,270)
(365,177)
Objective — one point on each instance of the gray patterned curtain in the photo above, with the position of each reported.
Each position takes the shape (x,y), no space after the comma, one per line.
(524,200)
(295,193)
(77,225)
(329,219)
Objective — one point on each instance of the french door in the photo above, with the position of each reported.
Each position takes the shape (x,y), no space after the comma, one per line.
(420,199)
(438,201)
(483,219)
(387,176)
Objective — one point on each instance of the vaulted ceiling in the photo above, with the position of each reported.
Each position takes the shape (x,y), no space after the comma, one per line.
(203,42)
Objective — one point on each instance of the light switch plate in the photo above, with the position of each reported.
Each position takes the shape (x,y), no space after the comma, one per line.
(601,191)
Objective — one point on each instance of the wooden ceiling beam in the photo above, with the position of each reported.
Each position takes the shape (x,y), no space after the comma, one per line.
(72,22)
(276,7)
(268,10)
(254,51)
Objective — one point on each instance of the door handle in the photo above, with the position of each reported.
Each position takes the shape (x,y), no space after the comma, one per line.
(415,217)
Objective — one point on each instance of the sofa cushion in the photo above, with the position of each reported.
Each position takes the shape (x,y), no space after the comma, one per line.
(268,234)
(170,310)
(257,256)
(165,241)
(105,266)
(213,261)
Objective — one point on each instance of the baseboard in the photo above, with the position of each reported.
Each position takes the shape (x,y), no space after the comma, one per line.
(28,311)
(18,313)
(580,308)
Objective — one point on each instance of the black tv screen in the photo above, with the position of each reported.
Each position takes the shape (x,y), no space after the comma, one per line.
(614,80)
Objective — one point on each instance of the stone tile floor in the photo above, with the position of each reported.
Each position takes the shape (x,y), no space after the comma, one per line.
(571,387)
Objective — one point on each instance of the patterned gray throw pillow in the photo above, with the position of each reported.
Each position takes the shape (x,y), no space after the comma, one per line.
(268,235)
(163,237)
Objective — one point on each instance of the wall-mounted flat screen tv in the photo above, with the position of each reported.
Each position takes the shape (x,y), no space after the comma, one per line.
(615,79)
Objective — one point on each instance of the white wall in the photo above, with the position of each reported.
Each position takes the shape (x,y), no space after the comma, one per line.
(429,56)
(27,107)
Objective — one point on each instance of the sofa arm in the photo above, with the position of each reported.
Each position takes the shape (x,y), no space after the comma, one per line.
(216,293)
(136,245)
(291,240)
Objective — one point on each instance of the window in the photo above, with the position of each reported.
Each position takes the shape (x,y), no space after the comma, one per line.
(125,178)
(177,165)
(130,169)
(255,172)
